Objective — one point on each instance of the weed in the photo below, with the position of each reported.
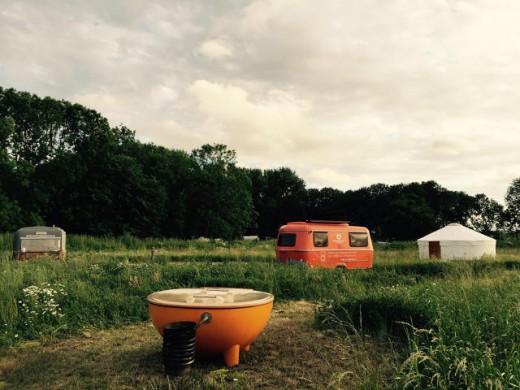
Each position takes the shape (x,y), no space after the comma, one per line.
(39,308)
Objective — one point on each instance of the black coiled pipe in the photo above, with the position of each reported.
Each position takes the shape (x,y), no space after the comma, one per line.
(178,352)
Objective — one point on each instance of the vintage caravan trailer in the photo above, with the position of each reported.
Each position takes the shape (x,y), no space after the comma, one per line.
(328,244)
(36,241)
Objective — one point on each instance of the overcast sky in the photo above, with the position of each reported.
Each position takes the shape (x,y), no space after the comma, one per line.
(347,93)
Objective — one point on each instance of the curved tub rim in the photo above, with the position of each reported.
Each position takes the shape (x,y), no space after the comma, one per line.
(264,299)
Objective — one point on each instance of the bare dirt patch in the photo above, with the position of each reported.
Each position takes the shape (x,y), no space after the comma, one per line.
(290,353)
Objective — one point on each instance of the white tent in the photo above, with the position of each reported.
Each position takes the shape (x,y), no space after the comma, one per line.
(456,242)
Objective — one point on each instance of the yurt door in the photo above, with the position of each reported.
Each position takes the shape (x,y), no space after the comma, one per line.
(434,249)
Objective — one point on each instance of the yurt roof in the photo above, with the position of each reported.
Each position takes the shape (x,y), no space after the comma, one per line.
(455,232)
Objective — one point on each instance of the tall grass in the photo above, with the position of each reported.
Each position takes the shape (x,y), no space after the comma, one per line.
(460,330)
(101,291)
(77,242)
(474,341)
(129,242)
(456,323)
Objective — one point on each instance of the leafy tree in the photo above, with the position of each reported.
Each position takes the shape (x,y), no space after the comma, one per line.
(409,217)
(405,211)
(9,209)
(103,191)
(368,207)
(257,178)
(172,171)
(512,214)
(37,131)
(121,199)
(61,163)
(447,206)
(220,200)
(19,202)
(281,199)
(216,155)
(456,206)
(486,215)
(326,204)
(44,128)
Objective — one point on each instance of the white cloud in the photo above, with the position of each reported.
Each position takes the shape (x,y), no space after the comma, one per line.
(216,49)
(345,93)
(453,146)
(328,177)
(272,127)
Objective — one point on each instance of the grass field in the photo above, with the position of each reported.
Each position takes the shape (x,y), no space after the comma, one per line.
(83,322)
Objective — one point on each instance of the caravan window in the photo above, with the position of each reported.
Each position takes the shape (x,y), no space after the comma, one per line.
(358,239)
(40,245)
(288,239)
(321,239)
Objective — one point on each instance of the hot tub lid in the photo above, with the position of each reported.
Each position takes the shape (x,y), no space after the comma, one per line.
(210,297)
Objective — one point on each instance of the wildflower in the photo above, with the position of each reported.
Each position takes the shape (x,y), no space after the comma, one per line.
(39,305)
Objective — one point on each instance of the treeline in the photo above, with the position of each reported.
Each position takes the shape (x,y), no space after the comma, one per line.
(62,164)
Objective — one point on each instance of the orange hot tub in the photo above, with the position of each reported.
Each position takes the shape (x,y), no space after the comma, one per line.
(238,317)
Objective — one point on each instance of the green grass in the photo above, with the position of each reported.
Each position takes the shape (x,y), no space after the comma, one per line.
(455,324)
(105,291)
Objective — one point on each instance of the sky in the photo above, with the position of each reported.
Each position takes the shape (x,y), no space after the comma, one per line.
(346,93)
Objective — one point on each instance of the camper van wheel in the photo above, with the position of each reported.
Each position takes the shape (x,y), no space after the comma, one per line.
(341,268)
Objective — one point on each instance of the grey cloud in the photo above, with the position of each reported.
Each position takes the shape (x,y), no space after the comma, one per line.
(347,93)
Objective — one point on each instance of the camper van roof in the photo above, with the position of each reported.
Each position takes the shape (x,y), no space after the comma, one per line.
(325,221)
(44,230)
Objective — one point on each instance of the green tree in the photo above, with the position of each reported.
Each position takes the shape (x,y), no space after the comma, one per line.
(409,217)
(9,209)
(405,211)
(103,191)
(486,215)
(368,207)
(512,213)
(44,128)
(172,171)
(37,131)
(257,178)
(220,200)
(19,202)
(326,203)
(281,198)
(216,155)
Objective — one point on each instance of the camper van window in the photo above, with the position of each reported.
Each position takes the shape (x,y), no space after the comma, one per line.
(40,245)
(287,239)
(321,239)
(358,239)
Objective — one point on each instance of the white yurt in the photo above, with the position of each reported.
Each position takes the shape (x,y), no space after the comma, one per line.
(456,242)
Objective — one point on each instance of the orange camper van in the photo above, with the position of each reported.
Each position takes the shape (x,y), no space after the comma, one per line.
(326,244)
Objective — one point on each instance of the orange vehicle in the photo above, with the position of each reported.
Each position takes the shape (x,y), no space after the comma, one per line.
(327,244)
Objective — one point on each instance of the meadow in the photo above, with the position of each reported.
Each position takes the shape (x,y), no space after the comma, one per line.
(405,323)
